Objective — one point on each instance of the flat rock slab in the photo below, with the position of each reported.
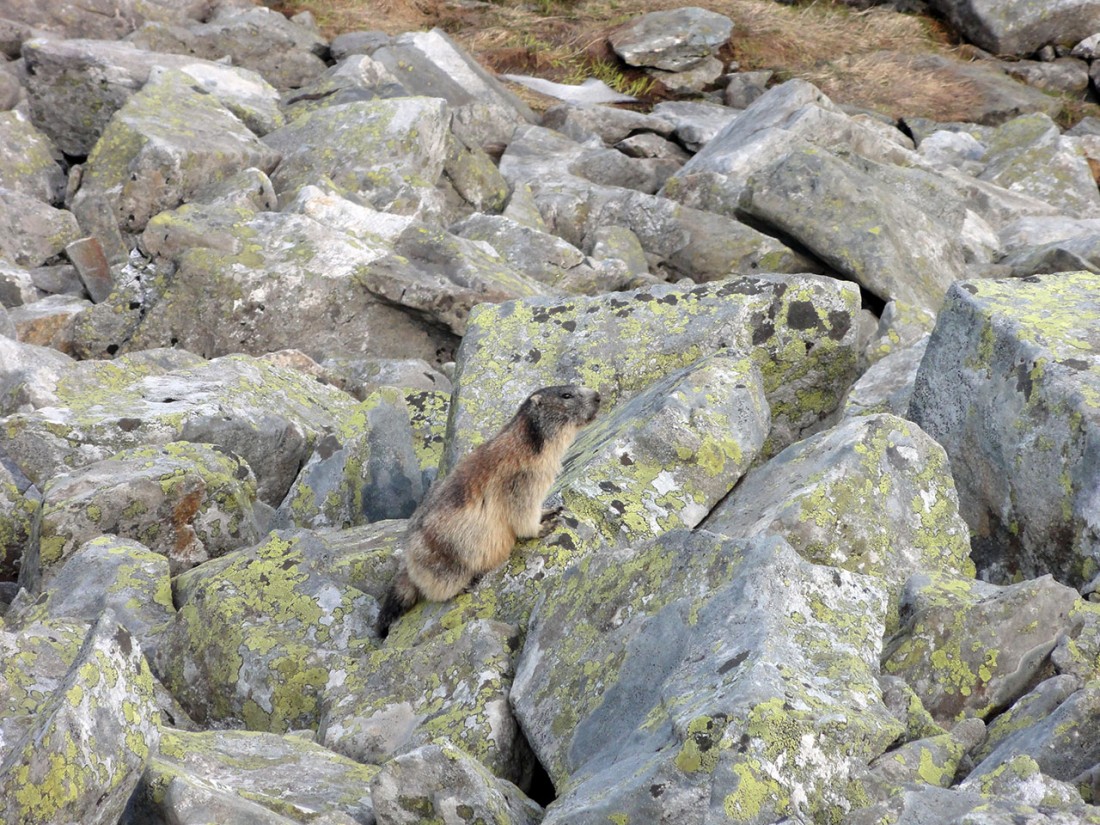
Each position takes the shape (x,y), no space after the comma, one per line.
(1010,386)
(672,40)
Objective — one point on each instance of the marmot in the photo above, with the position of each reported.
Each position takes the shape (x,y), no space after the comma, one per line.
(469,521)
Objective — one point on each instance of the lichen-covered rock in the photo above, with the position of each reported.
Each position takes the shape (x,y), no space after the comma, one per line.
(367,471)
(29,161)
(444,784)
(257,633)
(188,502)
(662,459)
(969,648)
(798,329)
(474,176)
(167,124)
(430,63)
(857,225)
(1010,386)
(391,152)
(90,740)
(1030,155)
(1064,744)
(1020,27)
(1027,711)
(453,687)
(20,505)
(932,761)
(75,86)
(49,322)
(887,385)
(873,496)
(287,54)
(271,417)
(901,326)
(672,40)
(1021,780)
(287,775)
(33,231)
(1078,652)
(699,678)
(687,242)
(106,573)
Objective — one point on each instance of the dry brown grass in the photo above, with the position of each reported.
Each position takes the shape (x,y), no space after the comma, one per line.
(860,58)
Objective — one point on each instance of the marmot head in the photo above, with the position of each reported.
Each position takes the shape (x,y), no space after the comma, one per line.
(551,409)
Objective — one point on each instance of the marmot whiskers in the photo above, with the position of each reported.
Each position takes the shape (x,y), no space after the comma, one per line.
(470,520)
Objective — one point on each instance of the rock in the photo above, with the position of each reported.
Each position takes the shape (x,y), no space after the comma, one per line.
(270,417)
(1018,27)
(93,268)
(442,782)
(20,506)
(386,703)
(610,125)
(561,341)
(743,88)
(346,44)
(106,573)
(33,231)
(1028,154)
(188,502)
(887,385)
(662,459)
(126,165)
(1061,744)
(286,54)
(689,242)
(367,471)
(90,740)
(932,761)
(359,377)
(257,633)
(672,40)
(474,177)
(695,123)
(692,80)
(29,375)
(106,21)
(282,774)
(1089,48)
(1077,652)
(1066,74)
(715,618)
(891,248)
(1008,387)
(1020,780)
(76,86)
(29,161)
(961,150)
(969,648)
(1039,231)
(1081,253)
(872,496)
(49,322)
(619,243)
(1027,711)
(431,64)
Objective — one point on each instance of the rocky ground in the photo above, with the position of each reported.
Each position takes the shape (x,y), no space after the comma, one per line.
(829,554)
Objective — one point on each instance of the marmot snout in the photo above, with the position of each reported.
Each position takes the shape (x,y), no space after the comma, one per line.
(470,520)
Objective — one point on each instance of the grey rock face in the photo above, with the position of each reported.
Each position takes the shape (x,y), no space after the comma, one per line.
(1004,357)
(34,231)
(672,40)
(28,161)
(1020,27)
(706,615)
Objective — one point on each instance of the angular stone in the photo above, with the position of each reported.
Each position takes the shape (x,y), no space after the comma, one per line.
(887,385)
(1010,386)
(671,327)
(20,505)
(610,125)
(662,459)
(672,40)
(969,648)
(695,123)
(1020,27)
(91,739)
(1066,74)
(856,225)
(187,502)
(744,635)
(452,688)
(107,573)
(103,19)
(49,322)
(258,633)
(1027,711)
(872,496)
(167,123)
(284,774)
(29,162)
(33,231)
(29,375)
(441,781)
(92,265)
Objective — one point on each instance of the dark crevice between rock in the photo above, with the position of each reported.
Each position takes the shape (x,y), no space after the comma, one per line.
(541,789)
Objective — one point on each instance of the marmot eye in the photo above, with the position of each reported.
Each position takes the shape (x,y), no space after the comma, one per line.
(567,395)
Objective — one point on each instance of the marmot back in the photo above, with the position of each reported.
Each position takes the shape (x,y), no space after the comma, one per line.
(470,520)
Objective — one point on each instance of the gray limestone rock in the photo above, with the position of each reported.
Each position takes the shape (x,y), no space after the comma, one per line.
(29,375)
(1008,386)
(1020,27)
(1027,711)
(691,678)
(250,777)
(672,40)
(442,782)
(188,502)
(887,385)
(99,18)
(20,507)
(695,122)
(31,231)
(1066,74)
(872,496)
(90,740)
(610,125)
(29,162)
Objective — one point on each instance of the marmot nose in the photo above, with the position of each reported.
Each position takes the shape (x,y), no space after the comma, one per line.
(596,396)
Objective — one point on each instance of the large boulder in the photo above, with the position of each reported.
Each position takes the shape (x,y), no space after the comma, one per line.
(693,677)
(1010,386)
(1020,27)
(672,40)
(29,160)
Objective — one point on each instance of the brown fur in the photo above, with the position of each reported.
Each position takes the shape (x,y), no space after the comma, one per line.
(469,521)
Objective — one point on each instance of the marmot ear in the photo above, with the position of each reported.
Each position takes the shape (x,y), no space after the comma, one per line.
(535,399)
